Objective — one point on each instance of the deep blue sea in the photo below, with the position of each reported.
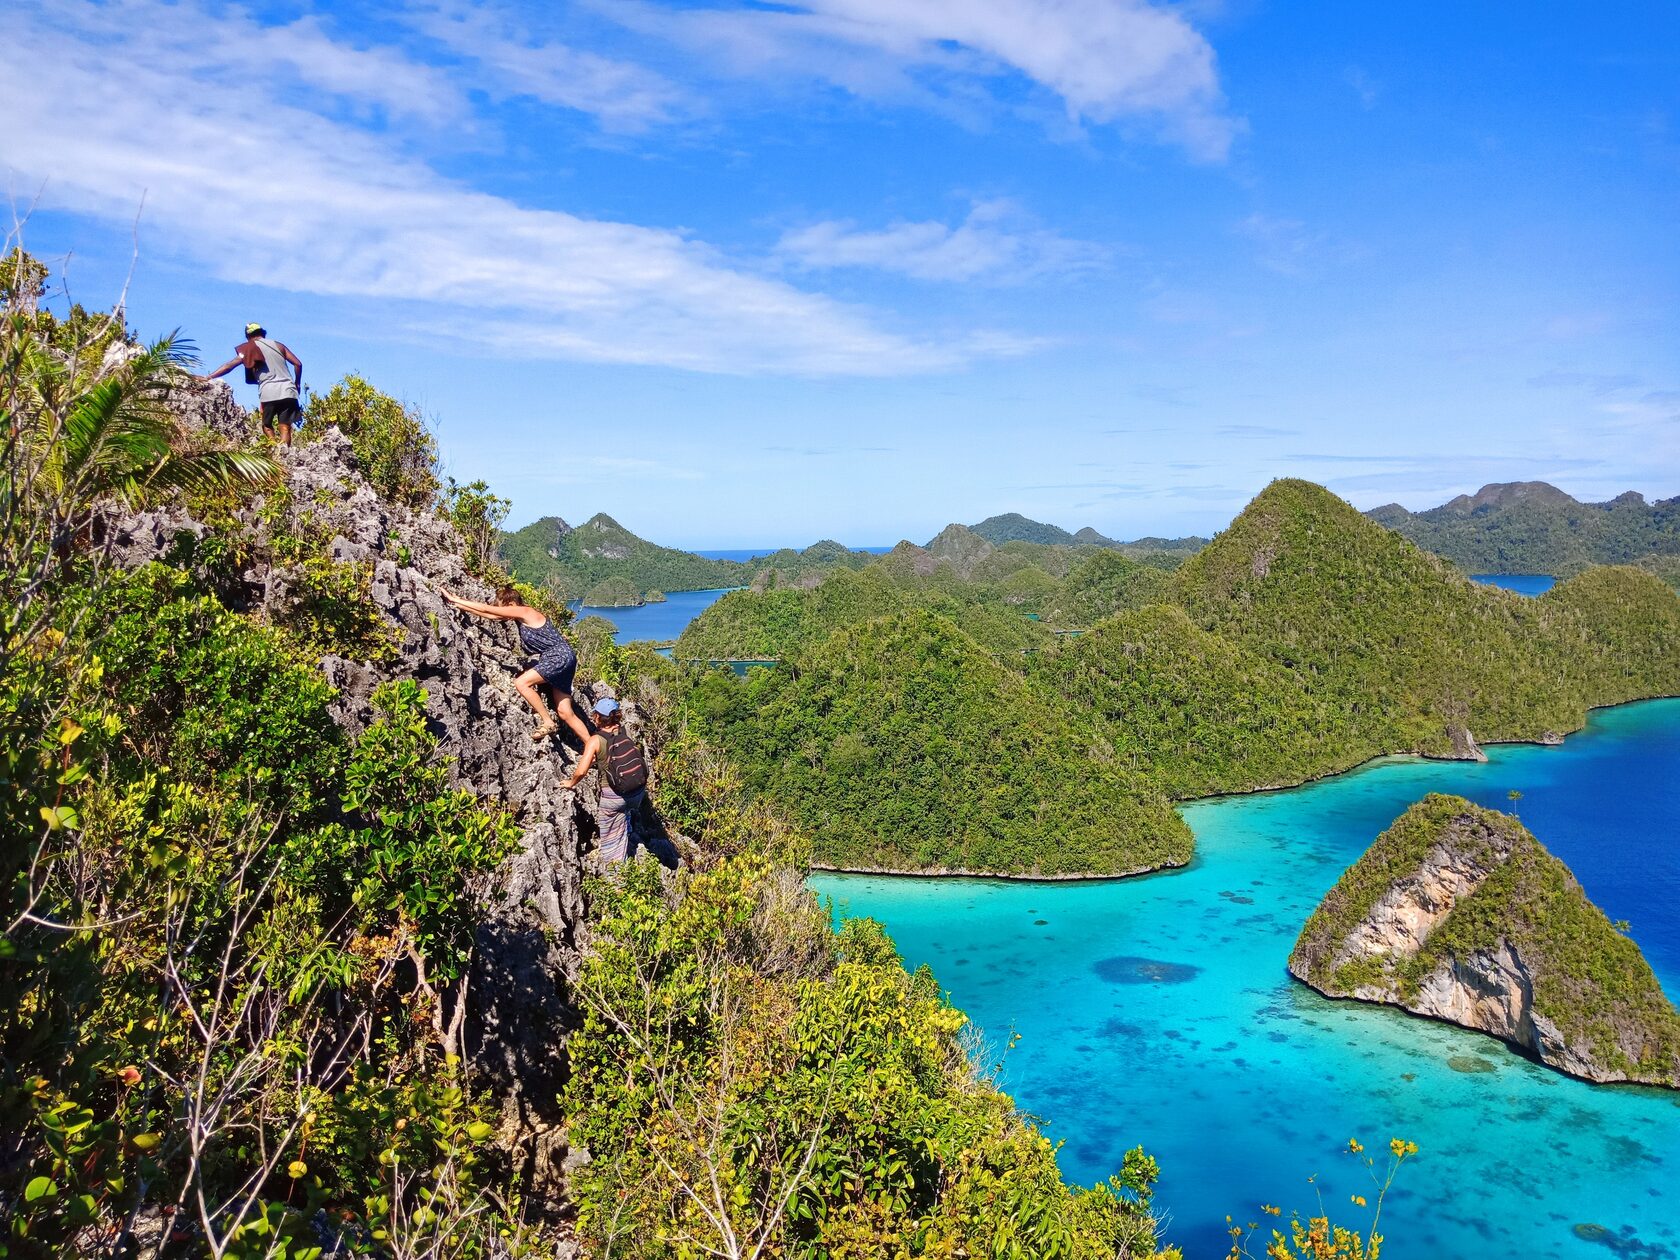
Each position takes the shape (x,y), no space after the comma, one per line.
(1157,1011)
(657,622)
(1521,583)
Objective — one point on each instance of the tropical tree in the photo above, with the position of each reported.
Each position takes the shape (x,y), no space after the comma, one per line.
(86,418)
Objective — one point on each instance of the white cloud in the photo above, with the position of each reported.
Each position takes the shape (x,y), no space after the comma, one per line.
(513,61)
(162,100)
(989,244)
(235,48)
(1364,86)
(1283,245)
(1109,61)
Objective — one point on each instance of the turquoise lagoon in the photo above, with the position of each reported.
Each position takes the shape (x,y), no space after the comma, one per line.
(1157,1011)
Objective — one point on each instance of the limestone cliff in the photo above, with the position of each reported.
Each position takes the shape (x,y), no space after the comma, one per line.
(532,922)
(1457,912)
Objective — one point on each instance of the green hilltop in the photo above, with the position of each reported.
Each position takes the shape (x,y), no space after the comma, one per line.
(1533,527)
(1301,641)
(570,562)
(1013,527)
(905,744)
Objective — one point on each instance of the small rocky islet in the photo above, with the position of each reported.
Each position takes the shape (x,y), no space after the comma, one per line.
(1458,913)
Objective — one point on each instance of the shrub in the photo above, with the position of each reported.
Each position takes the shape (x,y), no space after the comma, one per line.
(477,515)
(828,1110)
(395,450)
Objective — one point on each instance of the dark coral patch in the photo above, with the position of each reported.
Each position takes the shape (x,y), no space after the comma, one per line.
(1132,969)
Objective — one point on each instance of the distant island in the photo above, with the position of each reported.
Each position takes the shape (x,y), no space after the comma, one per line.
(1458,913)
(1013,527)
(578,563)
(574,562)
(1037,707)
(1533,527)
(617,592)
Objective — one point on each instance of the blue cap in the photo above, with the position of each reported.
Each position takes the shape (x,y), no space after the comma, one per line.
(607,707)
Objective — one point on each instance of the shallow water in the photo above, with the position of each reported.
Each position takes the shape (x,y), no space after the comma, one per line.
(1521,583)
(1157,1011)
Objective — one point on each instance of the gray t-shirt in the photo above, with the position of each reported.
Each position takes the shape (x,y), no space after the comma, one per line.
(276,380)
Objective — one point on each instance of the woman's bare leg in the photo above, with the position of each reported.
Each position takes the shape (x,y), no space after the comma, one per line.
(568,715)
(529,684)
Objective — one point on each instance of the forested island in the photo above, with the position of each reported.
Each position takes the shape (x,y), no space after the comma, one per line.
(1303,640)
(1458,913)
(1533,527)
(1504,528)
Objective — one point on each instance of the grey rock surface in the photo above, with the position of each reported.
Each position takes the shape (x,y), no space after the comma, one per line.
(534,915)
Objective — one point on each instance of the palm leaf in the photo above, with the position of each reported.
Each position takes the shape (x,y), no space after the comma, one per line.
(213,470)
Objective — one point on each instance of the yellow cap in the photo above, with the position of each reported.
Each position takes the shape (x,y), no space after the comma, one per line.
(252,328)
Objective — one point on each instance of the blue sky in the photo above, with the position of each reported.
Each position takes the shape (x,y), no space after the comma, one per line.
(746,273)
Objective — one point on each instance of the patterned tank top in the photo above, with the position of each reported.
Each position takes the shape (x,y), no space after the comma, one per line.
(540,639)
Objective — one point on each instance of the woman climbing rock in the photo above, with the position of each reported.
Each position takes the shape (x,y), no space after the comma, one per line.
(556,662)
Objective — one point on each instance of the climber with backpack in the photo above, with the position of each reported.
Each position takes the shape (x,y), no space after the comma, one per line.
(269,365)
(624,779)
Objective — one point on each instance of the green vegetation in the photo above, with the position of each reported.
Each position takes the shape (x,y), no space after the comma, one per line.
(782,622)
(1533,527)
(394,449)
(550,553)
(271,931)
(1665,567)
(1408,652)
(477,516)
(1013,527)
(1104,584)
(1195,711)
(899,742)
(788,565)
(1589,980)
(234,940)
(613,593)
(810,1097)
(1302,641)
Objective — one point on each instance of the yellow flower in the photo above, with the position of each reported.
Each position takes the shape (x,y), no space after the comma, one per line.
(1400,1148)
(1355,1146)
(1358,1200)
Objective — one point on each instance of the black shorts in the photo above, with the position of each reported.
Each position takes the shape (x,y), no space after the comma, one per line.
(281,411)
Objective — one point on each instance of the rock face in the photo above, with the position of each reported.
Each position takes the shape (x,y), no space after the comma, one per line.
(1458,913)
(533,920)
(1463,744)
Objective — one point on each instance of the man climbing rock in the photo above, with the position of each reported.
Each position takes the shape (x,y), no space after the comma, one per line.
(269,365)
(624,779)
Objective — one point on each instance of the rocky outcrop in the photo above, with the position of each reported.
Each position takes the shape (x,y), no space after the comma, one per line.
(1459,914)
(959,547)
(533,920)
(1463,744)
